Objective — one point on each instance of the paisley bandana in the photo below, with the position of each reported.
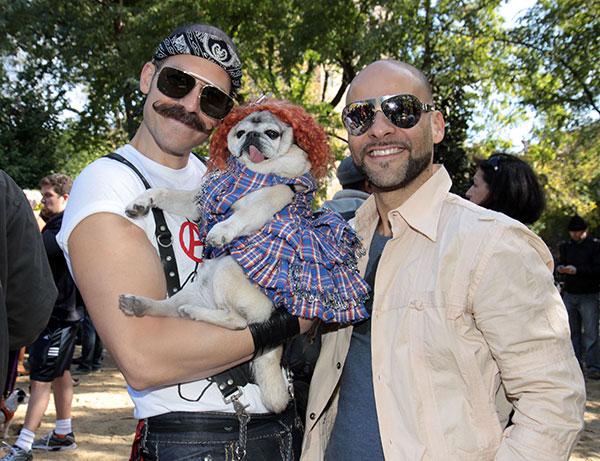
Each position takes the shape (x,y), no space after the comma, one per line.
(206,42)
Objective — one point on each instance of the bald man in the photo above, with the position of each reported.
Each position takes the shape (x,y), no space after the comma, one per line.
(466,323)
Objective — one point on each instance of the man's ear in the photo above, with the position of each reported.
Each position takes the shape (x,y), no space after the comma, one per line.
(438,126)
(146,76)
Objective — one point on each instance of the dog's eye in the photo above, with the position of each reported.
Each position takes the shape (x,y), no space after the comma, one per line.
(240,133)
(272,134)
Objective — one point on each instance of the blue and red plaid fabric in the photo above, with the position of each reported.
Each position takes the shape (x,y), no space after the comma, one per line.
(303,261)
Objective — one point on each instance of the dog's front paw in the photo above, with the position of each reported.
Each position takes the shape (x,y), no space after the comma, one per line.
(140,206)
(221,234)
(132,305)
(187,312)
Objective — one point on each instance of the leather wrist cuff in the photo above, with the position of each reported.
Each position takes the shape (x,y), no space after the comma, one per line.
(269,334)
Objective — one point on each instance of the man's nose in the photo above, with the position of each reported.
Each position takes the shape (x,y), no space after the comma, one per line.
(191,101)
(381,126)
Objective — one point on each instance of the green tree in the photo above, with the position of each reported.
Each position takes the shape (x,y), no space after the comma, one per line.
(291,48)
(556,46)
(28,136)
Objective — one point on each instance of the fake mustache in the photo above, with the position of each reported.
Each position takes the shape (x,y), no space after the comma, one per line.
(177,112)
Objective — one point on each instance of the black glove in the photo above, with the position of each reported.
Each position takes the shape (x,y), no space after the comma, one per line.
(269,334)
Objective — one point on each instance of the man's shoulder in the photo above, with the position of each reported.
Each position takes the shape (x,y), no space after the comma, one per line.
(8,186)
(105,176)
(477,217)
(493,231)
(594,243)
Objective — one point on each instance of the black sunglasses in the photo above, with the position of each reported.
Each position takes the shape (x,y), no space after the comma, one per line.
(403,110)
(176,84)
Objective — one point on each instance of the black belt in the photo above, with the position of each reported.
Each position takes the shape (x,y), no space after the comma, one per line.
(215,422)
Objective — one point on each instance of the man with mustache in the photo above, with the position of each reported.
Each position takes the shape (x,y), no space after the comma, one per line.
(464,310)
(189,86)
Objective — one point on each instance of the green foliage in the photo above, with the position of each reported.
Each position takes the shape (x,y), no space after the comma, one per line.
(556,45)
(285,45)
(568,165)
(28,137)
(309,52)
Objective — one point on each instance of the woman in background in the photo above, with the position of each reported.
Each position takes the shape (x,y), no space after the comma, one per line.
(507,184)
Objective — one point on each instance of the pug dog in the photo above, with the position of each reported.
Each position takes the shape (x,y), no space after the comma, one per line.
(254,214)
(221,293)
(265,145)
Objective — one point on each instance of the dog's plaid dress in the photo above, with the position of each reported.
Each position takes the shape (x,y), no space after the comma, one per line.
(302,260)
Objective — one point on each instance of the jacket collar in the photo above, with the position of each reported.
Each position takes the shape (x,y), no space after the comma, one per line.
(421,211)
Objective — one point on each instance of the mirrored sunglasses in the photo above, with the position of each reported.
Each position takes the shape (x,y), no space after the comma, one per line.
(403,110)
(176,84)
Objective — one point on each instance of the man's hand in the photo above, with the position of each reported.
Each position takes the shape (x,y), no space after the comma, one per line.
(570,270)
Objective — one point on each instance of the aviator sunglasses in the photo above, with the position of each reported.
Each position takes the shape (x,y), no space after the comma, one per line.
(403,110)
(176,84)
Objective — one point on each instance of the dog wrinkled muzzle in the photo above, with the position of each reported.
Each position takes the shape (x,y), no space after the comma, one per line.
(254,147)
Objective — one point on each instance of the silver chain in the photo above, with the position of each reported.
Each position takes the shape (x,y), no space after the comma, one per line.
(243,417)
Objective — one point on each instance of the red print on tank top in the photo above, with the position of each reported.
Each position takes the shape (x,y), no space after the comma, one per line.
(189,239)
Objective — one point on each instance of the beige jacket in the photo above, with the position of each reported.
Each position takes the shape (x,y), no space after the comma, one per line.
(465,306)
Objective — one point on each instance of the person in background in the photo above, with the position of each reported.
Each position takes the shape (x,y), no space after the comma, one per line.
(92,350)
(354,190)
(27,290)
(579,269)
(507,184)
(303,351)
(50,355)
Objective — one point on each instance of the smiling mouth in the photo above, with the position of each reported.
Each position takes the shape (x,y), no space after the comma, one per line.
(385,152)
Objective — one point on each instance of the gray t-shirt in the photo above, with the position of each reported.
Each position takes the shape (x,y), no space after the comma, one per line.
(355,434)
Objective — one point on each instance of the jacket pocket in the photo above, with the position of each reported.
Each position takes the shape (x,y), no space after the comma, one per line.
(481,433)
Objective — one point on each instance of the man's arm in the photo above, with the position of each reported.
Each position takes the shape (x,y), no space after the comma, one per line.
(30,289)
(111,256)
(524,321)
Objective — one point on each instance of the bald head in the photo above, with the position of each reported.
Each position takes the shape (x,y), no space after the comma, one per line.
(392,125)
(408,78)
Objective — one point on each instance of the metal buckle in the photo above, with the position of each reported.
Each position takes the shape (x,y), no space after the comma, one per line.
(164,245)
(234,397)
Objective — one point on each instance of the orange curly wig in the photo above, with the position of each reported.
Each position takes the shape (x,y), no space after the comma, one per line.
(308,134)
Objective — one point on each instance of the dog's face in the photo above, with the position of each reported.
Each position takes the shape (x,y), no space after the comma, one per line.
(260,138)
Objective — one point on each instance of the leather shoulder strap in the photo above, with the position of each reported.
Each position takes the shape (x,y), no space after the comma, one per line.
(164,238)
(227,381)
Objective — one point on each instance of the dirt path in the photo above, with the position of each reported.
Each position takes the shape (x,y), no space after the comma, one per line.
(588,447)
(102,418)
(104,424)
